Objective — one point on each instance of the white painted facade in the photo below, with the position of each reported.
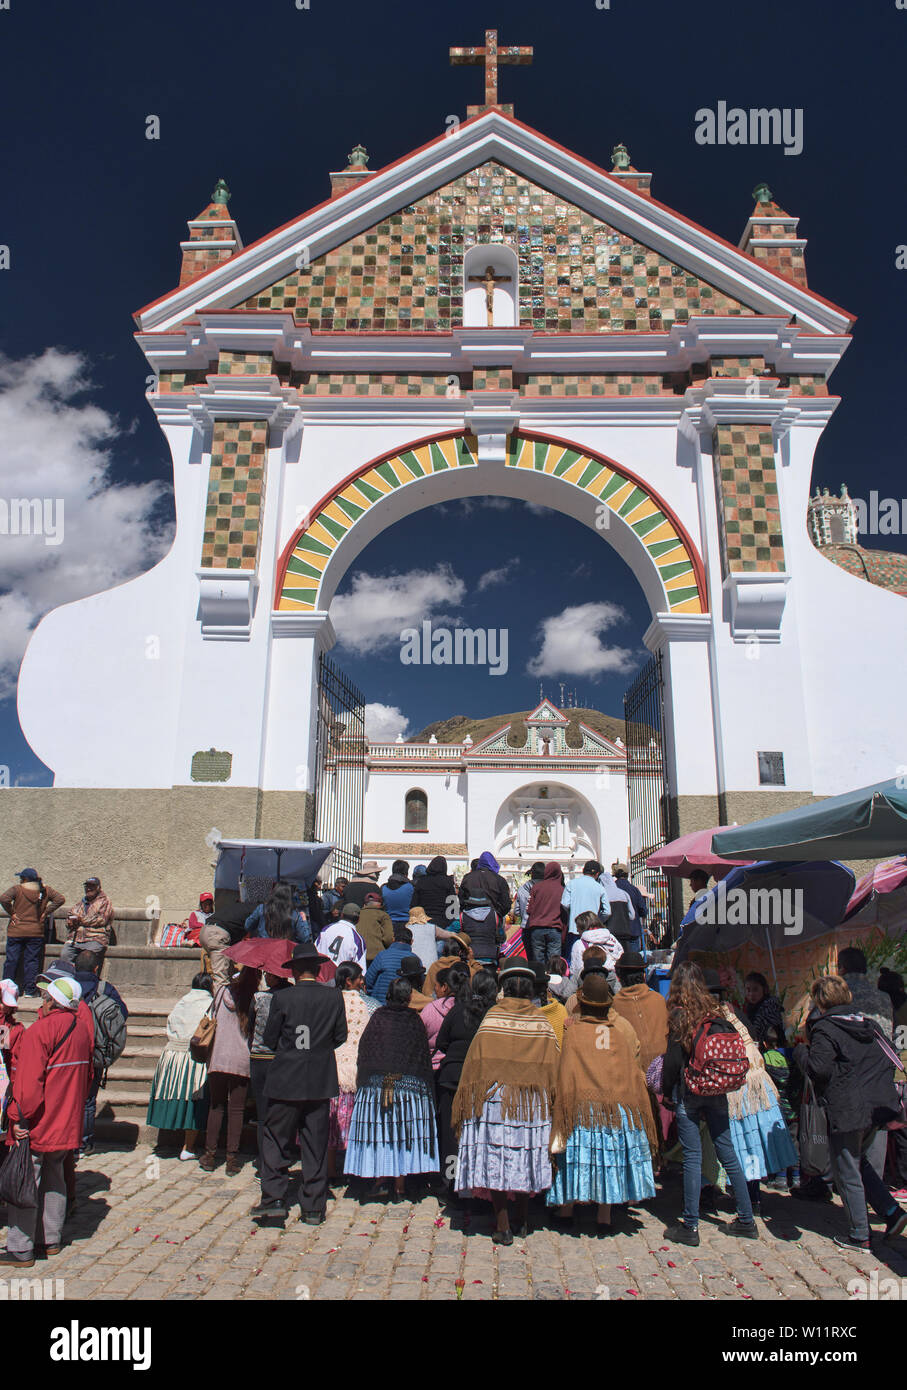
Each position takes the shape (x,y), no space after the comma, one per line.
(809,663)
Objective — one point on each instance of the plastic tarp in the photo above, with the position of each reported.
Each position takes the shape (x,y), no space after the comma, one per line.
(293,861)
(869,823)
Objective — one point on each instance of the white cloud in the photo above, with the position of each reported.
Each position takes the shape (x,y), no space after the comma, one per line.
(384,722)
(57,448)
(571,643)
(498,576)
(379,607)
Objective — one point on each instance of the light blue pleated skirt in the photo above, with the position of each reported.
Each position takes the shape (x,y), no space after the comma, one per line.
(763,1143)
(604,1165)
(393,1141)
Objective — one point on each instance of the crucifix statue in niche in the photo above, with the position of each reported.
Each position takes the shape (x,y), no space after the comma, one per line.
(489,280)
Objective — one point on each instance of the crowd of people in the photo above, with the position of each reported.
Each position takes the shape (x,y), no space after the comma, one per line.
(407,1038)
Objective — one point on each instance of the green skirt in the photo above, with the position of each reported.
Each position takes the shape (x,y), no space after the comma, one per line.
(179,1093)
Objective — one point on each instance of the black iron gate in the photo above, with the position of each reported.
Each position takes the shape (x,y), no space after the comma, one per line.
(650,806)
(340,752)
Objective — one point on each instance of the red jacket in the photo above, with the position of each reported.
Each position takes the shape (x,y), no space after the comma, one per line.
(49,1091)
(16,1034)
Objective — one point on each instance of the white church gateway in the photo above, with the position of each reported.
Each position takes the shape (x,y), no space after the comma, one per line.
(489,314)
(542,799)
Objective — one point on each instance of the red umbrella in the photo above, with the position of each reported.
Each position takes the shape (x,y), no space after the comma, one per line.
(679,858)
(269,953)
(263,953)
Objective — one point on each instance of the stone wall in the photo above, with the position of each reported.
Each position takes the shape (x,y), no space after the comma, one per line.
(140,843)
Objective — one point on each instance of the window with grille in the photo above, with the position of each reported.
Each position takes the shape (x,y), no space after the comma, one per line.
(771,769)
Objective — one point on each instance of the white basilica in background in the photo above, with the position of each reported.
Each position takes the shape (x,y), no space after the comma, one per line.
(544,800)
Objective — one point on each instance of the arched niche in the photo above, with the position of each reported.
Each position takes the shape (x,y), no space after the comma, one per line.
(502,262)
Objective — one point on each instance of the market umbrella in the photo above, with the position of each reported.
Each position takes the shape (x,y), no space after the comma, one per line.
(870,823)
(874,888)
(680,857)
(768,902)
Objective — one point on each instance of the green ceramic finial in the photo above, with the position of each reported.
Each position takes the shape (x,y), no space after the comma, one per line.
(620,157)
(221,193)
(359,157)
(762,193)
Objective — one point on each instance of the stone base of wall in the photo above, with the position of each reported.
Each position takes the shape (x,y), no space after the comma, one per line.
(140,843)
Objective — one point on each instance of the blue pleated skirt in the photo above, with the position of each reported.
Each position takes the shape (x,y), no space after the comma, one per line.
(763,1143)
(392,1141)
(498,1155)
(604,1165)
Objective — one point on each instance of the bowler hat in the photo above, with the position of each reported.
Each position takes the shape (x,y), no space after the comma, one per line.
(712,980)
(630,960)
(305,954)
(411,965)
(595,990)
(517,967)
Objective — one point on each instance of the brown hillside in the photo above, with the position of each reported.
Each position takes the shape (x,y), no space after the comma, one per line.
(455,729)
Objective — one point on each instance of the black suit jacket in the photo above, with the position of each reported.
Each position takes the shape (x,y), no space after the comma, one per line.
(306,1023)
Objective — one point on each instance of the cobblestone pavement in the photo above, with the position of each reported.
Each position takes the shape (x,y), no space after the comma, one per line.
(150,1227)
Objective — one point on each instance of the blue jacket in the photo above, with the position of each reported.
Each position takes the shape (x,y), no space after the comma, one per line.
(397,900)
(584,894)
(255,925)
(384,968)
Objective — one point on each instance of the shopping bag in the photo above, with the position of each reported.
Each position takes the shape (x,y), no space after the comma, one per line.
(17,1177)
(813,1135)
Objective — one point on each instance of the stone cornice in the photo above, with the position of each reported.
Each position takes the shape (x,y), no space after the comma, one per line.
(680,627)
(786,347)
(315,625)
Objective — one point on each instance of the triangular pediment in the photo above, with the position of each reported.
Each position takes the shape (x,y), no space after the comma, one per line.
(594,255)
(546,713)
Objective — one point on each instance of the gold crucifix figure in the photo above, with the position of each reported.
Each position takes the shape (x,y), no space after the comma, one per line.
(489,280)
(491,56)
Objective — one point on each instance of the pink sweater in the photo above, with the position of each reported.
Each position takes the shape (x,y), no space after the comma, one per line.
(433,1016)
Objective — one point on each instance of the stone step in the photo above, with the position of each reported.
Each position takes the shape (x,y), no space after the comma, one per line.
(146,972)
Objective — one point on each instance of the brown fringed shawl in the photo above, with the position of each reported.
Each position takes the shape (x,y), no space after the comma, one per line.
(516,1049)
(599,1071)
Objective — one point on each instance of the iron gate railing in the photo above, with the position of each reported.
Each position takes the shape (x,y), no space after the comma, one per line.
(650,805)
(340,751)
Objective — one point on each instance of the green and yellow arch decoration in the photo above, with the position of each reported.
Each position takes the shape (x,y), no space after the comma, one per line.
(309,552)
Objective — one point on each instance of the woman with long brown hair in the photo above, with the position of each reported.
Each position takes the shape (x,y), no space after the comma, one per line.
(228,1068)
(694,1015)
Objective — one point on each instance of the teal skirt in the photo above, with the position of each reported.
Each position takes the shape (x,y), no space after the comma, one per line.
(604,1165)
(179,1093)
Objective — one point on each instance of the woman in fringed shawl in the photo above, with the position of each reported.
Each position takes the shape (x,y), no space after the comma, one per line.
(603,1130)
(758,1128)
(393,1130)
(502,1107)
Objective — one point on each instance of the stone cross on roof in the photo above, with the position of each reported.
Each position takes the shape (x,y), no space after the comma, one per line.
(491,56)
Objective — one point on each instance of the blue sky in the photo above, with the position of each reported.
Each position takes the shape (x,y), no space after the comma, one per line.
(271,98)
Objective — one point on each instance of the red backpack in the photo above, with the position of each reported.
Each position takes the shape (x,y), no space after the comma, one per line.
(718,1061)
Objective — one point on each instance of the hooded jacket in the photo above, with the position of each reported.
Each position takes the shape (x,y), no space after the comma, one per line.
(545,900)
(434,890)
(853,1079)
(485,885)
(397,895)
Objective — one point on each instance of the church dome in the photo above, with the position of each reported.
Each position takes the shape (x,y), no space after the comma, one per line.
(887,569)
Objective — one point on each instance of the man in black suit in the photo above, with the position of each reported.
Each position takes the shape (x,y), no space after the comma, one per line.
(304,1027)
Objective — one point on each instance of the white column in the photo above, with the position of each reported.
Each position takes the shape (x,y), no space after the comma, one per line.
(297,641)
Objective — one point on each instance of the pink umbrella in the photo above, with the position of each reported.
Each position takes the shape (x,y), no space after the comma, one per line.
(680,857)
(270,954)
(884,877)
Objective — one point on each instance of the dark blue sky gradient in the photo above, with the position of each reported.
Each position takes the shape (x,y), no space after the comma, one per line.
(271,98)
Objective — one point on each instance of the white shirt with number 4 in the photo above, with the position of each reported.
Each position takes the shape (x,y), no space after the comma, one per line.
(340,941)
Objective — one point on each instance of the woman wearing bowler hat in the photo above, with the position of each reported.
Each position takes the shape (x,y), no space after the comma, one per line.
(603,1131)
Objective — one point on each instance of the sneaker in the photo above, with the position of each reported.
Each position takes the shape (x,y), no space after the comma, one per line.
(777,1184)
(813,1190)
(847,1243)
(48,1251)
(896,1224)
(747,1230)
(682,1234)
(269,1210)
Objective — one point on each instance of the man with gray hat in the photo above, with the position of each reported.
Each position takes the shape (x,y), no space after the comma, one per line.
(90,923)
